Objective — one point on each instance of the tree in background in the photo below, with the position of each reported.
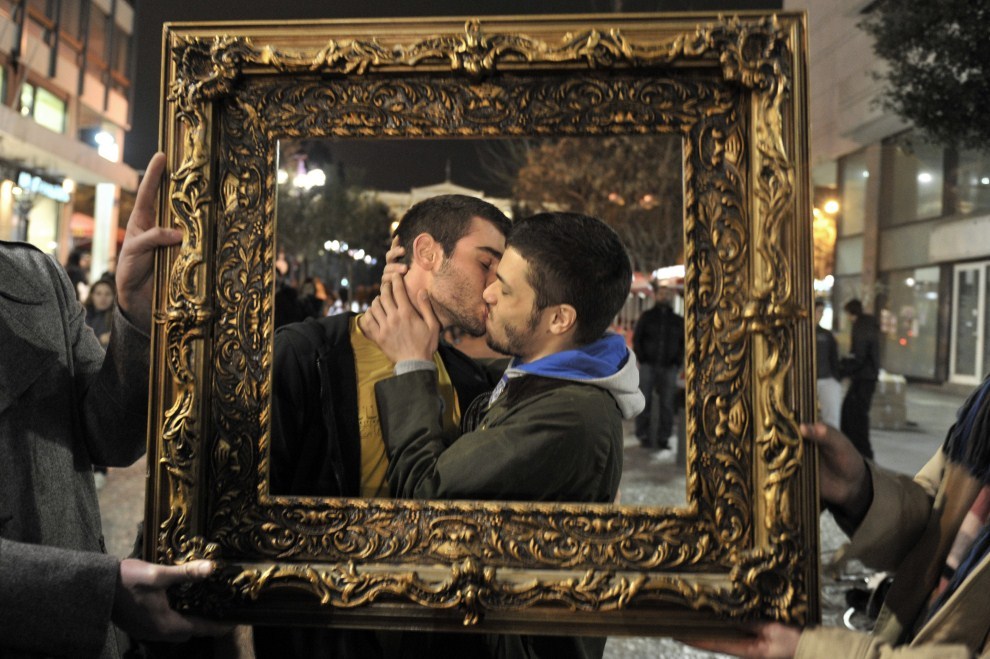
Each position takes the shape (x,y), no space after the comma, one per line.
(632,182)
(336,210)
(937,53)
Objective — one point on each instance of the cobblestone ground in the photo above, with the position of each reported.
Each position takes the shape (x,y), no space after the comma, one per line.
(656,482)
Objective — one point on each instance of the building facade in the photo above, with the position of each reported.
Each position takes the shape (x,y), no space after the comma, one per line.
(65,85)
(912,221)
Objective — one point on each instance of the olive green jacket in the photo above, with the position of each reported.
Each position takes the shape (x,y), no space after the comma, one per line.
(542,440)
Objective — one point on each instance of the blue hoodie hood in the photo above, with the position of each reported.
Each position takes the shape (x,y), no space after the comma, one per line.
(606,363)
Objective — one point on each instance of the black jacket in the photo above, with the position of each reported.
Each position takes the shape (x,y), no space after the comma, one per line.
(658,338)
(316,450)
(863,362)
(827,354)
(316,445)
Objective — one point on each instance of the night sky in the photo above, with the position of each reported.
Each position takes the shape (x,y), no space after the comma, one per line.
(415,164)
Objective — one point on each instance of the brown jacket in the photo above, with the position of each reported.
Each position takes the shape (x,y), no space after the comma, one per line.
(909,528)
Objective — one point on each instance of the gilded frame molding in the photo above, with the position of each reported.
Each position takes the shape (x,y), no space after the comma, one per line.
(744,547)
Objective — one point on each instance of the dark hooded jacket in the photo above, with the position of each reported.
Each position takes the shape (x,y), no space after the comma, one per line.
(316,450)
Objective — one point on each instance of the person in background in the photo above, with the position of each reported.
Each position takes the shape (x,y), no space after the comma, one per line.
(99,309)
(862,367)
(286,303)
(77,267)
(65,403)
(658,341)
(312,298)
(827,362)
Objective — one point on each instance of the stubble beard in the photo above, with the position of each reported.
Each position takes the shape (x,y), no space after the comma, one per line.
(454,317)
(515,340)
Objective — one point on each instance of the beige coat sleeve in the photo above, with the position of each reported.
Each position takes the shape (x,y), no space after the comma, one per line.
(897,516)
(831,642)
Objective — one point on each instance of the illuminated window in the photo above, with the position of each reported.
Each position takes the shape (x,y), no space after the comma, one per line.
(44,107)
(49,110)
(909,321)
(917,181)
(973,183)
(855,177)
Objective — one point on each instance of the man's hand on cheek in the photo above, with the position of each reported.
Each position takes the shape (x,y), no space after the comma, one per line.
(402,328)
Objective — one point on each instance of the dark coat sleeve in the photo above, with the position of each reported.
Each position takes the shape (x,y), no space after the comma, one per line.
(304,459)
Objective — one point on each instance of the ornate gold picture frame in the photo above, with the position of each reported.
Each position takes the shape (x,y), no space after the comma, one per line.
(745,545)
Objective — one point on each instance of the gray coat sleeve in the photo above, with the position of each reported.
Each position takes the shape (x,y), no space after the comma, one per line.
(112,387)
(78,407)
(115,403)
(55,601)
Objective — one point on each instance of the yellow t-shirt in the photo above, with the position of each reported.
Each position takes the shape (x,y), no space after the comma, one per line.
(371,365)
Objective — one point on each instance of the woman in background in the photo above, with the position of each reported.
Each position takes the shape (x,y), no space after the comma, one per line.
(99,309)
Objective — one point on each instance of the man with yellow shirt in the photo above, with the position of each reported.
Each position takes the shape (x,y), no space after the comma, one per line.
(326,438)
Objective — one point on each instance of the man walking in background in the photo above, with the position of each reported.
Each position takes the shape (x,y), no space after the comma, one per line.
(861,366)
(658,341)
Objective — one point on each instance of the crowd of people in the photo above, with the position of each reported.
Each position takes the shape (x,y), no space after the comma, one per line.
(312,299)
(372,403)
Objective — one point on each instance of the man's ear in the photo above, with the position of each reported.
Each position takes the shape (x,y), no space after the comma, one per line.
(563,319)
(427,253)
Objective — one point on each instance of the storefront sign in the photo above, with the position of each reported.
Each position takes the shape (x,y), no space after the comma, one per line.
(37,185)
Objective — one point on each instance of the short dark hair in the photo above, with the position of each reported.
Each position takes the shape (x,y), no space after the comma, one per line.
(447,218)
(819,302)
(854,307)
(577,260)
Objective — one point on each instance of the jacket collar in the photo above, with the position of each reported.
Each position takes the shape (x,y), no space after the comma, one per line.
(30,334)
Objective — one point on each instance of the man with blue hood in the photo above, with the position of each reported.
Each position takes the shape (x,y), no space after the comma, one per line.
(552,429)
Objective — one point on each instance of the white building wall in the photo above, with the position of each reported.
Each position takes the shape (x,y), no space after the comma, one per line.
(841,63)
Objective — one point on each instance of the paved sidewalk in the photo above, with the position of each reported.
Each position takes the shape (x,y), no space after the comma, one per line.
(930,411)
